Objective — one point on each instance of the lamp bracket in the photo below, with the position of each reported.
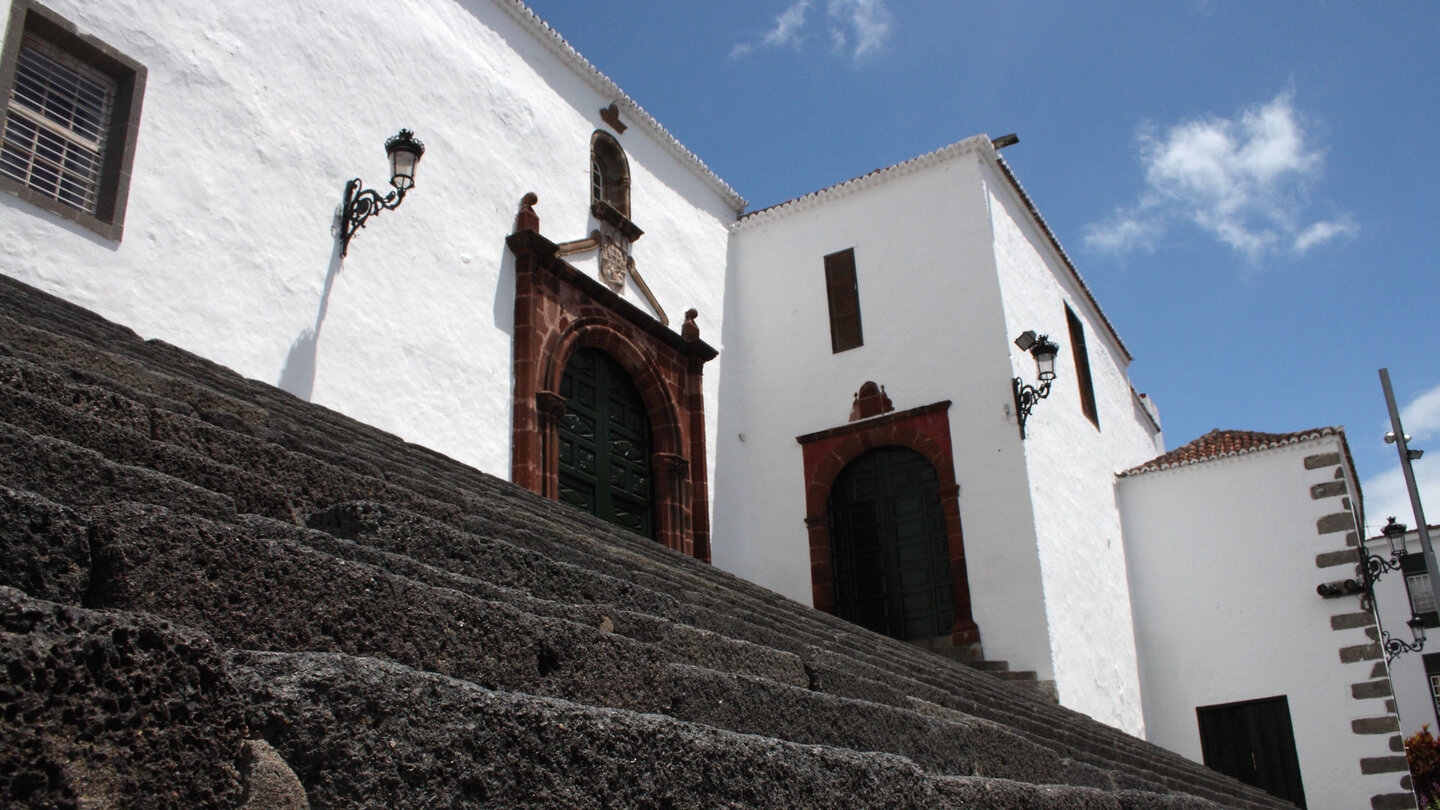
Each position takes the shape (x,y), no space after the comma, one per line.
(1026,396)
(361,205)
(1395,647)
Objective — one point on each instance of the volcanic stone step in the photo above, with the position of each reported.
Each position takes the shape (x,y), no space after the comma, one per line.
(362,731)
(113,710)
(124,445)
(253,593)
(44,548)
(682,643)
(138,550)
(75,476)
(499,563)
(260,476)
(417,537)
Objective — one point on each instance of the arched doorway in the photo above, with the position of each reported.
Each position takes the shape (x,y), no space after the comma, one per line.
(890,557)
(604,443)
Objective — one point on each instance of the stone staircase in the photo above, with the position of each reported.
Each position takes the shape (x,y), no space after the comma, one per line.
(199,573)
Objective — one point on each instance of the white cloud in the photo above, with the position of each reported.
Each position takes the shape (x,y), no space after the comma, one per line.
(785,32)
(1386,493)
(1245,181)
(1387,496)
(1322,232)
(1124,233)
(868,21)
(1422,416)
(856,27)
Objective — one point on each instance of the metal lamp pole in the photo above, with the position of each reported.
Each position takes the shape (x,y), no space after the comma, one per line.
(1405,459)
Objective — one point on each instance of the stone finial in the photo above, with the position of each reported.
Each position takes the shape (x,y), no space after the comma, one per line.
(611,115)
(690,330)
(869,401)
(526,219)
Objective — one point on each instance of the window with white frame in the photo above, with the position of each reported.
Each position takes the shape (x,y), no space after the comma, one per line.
(1422,594)
(71,115)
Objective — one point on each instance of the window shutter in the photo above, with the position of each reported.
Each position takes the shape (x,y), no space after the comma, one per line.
(843,294)
(1082,367)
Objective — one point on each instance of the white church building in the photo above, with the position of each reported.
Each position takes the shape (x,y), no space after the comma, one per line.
(837,397)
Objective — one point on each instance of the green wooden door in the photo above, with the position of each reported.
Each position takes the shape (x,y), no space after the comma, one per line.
(605,443)
(890,558)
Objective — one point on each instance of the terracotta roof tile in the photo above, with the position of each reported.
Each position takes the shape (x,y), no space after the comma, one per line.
(1221,443)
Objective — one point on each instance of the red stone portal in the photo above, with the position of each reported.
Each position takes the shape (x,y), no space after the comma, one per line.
(925,430)
(558,310)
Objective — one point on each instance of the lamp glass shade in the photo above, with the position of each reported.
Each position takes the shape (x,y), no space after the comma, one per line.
(1417,628)
(404,151)
(1395,534)
(1044,352)
(402,168)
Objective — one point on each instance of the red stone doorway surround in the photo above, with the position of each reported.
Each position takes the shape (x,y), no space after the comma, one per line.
(559,310)
(926,430)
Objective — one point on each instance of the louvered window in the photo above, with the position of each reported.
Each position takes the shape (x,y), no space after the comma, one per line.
(56,125)
(842,290)
(71,114)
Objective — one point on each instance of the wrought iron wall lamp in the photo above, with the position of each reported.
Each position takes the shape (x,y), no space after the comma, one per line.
(1370,569)
(1044,351)
(404,151)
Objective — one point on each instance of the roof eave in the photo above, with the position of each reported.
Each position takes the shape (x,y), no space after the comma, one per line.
(606,87)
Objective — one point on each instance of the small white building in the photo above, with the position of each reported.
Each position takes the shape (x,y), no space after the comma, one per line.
(918,278)
(1244,665)
(1401,595)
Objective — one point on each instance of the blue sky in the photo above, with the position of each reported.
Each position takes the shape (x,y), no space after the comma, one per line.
(1250,189)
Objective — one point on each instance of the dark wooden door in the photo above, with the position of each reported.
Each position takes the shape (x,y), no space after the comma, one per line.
(1254,742)
(890,558)
(605,443)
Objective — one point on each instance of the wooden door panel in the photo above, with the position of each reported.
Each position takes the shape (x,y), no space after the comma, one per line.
(604,443)
(890,556)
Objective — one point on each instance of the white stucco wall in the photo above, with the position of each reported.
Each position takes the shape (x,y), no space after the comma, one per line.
(1222,570)
(255,114)
(1071,465)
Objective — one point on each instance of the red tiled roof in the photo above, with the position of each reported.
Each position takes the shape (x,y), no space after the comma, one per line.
(1221,443)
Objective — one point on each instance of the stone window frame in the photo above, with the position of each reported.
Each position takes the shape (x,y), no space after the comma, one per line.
(610,184)
(826,453)
(30,18)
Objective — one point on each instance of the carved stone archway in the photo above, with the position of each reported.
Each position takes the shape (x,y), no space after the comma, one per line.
(926,430)
(559,310)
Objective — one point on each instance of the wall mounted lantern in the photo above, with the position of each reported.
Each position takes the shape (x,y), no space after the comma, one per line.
(1370,569)
(404,151)
(1044,351)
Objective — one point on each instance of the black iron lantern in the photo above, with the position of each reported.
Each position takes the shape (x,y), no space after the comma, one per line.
(1395,533)
(404,151)
(1417,629)
(1044,351)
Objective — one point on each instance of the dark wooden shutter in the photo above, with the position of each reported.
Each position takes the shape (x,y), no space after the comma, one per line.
(843,294)
(1082,366)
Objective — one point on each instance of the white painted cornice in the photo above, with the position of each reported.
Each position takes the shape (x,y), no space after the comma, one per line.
(969,145)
